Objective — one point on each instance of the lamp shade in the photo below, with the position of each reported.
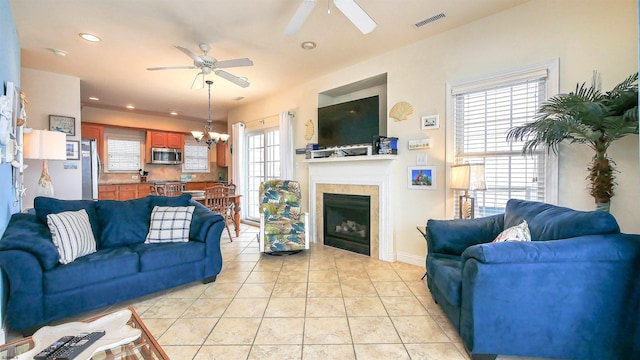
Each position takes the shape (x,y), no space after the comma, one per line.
(467,177)
(45,145)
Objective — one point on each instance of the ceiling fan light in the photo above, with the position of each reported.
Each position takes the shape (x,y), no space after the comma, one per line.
(198,82)
(198,135)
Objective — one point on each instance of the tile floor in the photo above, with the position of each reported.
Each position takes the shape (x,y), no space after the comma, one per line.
(323,303)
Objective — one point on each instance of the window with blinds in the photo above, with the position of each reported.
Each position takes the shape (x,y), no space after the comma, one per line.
(482,117)
(196,158)
(123,154)
(263,163)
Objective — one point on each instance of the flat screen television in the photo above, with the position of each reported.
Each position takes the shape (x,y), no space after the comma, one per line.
(349,123)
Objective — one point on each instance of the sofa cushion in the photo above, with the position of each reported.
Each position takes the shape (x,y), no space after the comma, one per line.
(446,274)
(25,232)
(46,205)
(123,222)
(71,234)
(550,222)
(101,266)
(182,200)
(157,256)
(515,233)
(169,224)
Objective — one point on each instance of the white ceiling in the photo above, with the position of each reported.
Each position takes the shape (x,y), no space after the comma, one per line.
(137,34)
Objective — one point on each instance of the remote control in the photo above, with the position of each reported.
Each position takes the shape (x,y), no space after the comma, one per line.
(42,355)
(75,346)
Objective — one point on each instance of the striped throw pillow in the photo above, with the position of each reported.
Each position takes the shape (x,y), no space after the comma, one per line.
(71,234)
(169,224)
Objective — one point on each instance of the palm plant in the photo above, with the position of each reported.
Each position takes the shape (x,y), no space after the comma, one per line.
(586,116)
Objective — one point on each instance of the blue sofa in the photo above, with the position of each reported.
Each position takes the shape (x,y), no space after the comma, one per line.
(573,292)
(41,289)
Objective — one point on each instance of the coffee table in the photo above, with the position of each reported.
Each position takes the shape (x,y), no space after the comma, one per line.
(144,347)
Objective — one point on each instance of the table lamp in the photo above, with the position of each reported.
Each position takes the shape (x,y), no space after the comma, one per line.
(467,177)
(45,145)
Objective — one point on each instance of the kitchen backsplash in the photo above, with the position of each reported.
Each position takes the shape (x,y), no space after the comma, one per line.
(164,173)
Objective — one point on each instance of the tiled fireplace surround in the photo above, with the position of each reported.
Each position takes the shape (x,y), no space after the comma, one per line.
(363,175)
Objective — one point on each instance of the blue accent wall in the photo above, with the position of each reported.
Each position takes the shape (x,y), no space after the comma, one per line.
(9,71)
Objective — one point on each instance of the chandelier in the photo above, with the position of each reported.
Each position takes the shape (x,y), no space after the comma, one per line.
(209,136)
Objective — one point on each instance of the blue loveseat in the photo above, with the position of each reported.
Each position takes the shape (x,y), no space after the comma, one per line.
(573,292)
(41,289)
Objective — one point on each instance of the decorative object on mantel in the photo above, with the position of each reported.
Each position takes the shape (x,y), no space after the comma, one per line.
(422,177)
(309,131)
(467,177)
(401,111)
(45,145)
(586,116)
(430,122)
(420,144)
(209,135)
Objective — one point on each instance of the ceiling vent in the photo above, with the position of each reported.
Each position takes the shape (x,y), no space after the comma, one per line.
(424,22)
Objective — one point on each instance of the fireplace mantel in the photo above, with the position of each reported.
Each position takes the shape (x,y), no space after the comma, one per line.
(356,171)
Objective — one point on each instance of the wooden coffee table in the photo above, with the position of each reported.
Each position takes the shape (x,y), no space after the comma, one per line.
(144,347)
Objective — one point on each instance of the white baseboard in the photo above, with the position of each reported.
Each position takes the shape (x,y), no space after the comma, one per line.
(411,259)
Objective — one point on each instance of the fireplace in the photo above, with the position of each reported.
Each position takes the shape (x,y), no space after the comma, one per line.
(347,222)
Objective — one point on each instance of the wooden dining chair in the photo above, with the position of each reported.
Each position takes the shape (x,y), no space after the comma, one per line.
(216,198)
(173,189)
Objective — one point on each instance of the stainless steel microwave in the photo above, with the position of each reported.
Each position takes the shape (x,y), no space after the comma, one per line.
(166,156)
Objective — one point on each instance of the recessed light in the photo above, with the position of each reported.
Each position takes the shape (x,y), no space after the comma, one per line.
(94,98)
(174,113)
(89,37)
(308,45)
(130,107)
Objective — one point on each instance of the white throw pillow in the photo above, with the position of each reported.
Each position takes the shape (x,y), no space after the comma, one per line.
(169,224)
(515,233)
(71,234)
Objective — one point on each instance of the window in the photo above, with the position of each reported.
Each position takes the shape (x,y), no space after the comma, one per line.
(483,112)
(263,163)
(123,154)
(196,158)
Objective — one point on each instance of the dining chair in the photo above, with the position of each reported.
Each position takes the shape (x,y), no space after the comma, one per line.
(216,198)
(173,189)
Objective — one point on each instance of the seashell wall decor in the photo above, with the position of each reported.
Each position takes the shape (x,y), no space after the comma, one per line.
(401,111)
(309,131)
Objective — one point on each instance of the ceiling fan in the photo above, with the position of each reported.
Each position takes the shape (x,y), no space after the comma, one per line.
(349,8)
(207,65)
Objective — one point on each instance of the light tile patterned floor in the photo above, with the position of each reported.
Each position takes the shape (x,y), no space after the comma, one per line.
(323,303)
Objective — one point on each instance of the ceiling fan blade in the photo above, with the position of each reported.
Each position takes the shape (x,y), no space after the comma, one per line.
(234,79)
(300,16)
(233,63)
(190,54)
(358,17)
(172,67)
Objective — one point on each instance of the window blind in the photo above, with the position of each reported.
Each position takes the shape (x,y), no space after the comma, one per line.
(482,118)
(123,154)
(196,158)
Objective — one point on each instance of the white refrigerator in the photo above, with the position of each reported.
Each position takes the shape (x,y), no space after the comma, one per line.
(90,169)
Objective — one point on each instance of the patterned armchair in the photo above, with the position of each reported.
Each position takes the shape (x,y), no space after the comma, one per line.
(283,227)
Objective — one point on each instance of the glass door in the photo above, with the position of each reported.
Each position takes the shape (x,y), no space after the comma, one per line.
(263,163)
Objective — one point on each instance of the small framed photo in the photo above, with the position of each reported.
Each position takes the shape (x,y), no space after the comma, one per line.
(73,150)
(430,122)
(422,177)
(65,124)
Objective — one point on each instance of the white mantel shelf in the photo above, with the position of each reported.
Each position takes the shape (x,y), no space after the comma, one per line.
(352,158)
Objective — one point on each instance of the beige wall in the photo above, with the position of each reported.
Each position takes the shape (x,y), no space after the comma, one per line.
(583,35)
(52,94)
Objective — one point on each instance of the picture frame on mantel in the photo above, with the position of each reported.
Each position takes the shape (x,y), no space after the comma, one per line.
(64,124)
(422,177)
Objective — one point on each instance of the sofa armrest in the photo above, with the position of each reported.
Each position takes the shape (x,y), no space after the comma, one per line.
(25,233)
(452,237)
(605,247)
(201,221)
(206,227)
(24,275)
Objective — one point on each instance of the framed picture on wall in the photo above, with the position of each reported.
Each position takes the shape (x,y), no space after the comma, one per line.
(429,122)
(73,150)
(422,177)
(65,124)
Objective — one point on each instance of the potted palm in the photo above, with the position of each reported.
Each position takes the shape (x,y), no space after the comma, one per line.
(586,116)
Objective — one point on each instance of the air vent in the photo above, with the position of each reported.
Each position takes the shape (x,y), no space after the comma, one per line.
(429,20)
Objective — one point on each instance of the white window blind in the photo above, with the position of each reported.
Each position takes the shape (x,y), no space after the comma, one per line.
(123,154)
(196,158)
(482,118)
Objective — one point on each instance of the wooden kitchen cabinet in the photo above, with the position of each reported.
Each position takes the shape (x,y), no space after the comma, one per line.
(196,185)
(144,190)
(161,139)
(108,192)
(127,192)
(221,154)
(175,141)
(91,131)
